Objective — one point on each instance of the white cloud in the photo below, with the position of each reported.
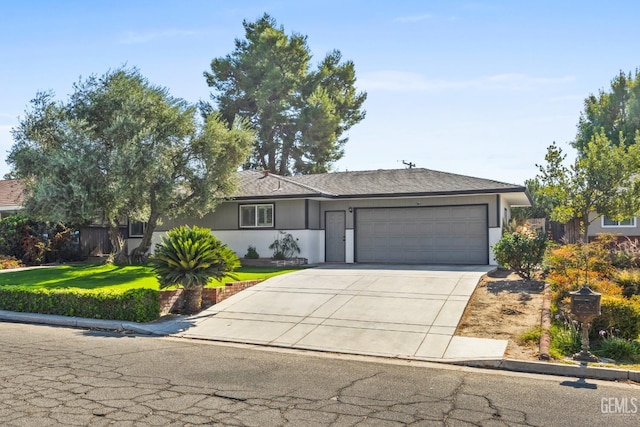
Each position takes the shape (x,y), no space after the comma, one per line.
(402,81)
(133,37)
(414,18)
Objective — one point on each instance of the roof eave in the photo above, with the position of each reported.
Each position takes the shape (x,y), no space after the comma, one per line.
(382,195)
(433,193)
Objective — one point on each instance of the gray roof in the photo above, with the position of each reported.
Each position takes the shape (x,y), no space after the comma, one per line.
(372,183)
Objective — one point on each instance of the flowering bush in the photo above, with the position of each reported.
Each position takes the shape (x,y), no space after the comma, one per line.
(570,266)
(522,250)
(565,337)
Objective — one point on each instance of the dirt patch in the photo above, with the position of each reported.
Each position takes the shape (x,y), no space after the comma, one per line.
(504,306)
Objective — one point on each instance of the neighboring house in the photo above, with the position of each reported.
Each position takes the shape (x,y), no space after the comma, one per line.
(413,216)
(94,238)
(626,228)
(10,197)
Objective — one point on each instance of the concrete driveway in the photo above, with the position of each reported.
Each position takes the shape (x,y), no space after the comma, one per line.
(397,311)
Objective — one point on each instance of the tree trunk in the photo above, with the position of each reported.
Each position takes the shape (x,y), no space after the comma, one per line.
(140,252)
(193,299)
(117,254)
(584,228)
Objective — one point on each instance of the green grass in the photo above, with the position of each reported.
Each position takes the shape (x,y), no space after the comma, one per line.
(106,276)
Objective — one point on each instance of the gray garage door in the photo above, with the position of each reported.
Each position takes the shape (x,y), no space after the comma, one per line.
(422,235)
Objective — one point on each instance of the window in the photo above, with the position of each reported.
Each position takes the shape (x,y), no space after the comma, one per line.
(256,216)
(628,222)
(137,228)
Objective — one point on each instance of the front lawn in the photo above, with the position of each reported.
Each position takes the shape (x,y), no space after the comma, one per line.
(116,277)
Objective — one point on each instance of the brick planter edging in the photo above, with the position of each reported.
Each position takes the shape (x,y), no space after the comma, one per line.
(545,336)
(172,301)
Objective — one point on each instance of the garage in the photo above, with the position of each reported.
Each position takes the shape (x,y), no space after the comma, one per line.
(422,235)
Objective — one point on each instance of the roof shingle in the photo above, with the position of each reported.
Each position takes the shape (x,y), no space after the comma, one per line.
(11,193)
(384,182)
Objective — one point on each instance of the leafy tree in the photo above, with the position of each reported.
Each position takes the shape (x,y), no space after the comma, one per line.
(616,113)
(191,258)
(123,148)
(540,208)
(603,180)
(300,114)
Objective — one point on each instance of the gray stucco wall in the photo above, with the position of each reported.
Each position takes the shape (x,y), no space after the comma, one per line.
(314,214)
(333,205)
(595,227)
(289,214)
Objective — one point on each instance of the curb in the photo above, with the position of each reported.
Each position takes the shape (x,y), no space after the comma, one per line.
(546,368)
(577,371)
(73,322)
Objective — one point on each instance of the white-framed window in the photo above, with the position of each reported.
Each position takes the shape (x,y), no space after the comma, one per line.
(137,228)
(256,216)
(627,222)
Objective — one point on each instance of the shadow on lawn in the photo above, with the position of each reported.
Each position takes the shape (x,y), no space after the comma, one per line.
(85,276)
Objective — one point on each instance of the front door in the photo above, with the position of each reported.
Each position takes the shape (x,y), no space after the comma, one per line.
(334,224)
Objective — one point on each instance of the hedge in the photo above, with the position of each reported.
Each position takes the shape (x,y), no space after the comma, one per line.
(136,305)
(619,316)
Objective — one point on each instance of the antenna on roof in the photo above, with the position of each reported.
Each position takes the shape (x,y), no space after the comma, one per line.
(411,165)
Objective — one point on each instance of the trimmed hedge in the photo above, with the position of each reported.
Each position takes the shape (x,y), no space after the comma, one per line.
(135,305)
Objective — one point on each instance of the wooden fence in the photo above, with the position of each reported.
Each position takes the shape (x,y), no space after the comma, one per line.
(94,241)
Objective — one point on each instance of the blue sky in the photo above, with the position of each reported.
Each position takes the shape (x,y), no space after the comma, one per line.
(476,88)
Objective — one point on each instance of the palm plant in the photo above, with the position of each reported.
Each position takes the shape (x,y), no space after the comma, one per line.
(190,258)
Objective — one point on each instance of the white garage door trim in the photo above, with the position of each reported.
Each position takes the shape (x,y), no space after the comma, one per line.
(451,234)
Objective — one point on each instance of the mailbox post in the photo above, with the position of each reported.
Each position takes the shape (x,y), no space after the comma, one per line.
(585,305)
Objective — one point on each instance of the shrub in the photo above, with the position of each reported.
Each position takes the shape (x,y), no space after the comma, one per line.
(252,253)
(619,349)
(522,251)
(618,314)
(190,258)
(8,262)
(630,282)
(625,254)
(36,242)
(565,341)
(64,244)
(570,266)
(285,246)
(22,238)
(136,305)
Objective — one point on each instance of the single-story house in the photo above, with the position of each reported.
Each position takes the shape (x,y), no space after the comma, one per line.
(412,216)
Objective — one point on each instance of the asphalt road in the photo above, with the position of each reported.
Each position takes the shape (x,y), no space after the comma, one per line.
(59,376)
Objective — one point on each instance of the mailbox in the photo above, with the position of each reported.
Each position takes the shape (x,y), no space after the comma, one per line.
(585,305)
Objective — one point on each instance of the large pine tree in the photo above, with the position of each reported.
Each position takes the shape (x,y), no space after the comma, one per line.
(300,114)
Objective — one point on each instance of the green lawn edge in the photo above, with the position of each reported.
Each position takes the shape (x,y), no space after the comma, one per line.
(114,277)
